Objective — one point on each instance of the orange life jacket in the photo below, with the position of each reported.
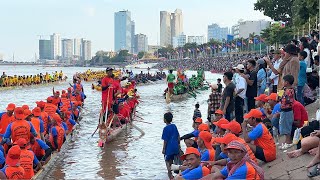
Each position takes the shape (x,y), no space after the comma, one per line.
(38,151)
(26,161)
(50,109)
(56,101)
(13,172)
(35,121)
(60,137)
(44,117)
(20,129)
(5,121)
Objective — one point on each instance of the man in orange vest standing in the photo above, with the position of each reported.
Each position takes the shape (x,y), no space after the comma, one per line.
(12,169)
(27,159)
(20,128)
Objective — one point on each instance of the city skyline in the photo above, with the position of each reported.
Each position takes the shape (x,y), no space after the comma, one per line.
(95,21)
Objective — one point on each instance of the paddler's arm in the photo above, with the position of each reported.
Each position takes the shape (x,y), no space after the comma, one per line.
(41,130)
(55,141)
(48,153)
(32,130)
(187,136)
(36,162)
(6,136)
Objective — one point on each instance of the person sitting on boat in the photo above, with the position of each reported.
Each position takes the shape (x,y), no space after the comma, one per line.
(240,166)
(192,157)
(6,118)
(57,133)
(50,108)
(36,122)
(219,132)
(20,128)
(44,116)
(13,169)
(205,146)
(187,138)
(68,119)
(28,159)
(56,100)
(40,149)
(218,114)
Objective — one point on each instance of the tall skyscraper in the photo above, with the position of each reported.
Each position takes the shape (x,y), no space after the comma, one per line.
(176,23)
(86,50)
(67,48)
(141,43)
(44,49)
(77,47)
(216,32)
(165,28)
(122,30)
(55,46)
(133,32)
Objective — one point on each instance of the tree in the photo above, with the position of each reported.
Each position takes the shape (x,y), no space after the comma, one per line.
(141,54)
(303,10)
(278,10)
(276,34)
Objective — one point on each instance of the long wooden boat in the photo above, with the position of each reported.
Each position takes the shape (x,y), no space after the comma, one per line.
(31,86)
(56,155)
(98,87)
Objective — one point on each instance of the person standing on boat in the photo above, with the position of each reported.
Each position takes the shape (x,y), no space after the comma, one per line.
(107,90)
(170,79)
(171,142)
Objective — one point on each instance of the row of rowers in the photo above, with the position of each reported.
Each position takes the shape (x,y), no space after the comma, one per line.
(218,148)
(41,130)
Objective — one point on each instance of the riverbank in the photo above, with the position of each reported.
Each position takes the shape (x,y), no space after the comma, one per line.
(291,168)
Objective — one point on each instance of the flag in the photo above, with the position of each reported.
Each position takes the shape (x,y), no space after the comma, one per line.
(256,40)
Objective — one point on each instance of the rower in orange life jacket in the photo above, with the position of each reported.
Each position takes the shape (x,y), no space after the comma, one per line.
(20,128)
(40,148)
(44,116)
(27,158)
(12,169)
(6,118)
(37,122)
(67,118)
(57,133)
(56,100)
(50,108)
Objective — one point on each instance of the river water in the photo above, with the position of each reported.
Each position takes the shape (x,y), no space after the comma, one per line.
(130,156)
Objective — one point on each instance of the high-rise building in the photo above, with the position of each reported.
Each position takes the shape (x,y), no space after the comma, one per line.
(245,28)
(67,48)
(55,46)
(77,47)
(171,25)
(179,41)
(86,50)
(196,39)
(176,23)
(141,43)
(165,28)
(216,32)
(133,32)
(44,49)
(122,30)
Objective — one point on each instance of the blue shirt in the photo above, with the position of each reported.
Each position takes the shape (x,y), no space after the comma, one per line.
(204,155)
(240,173)
(256,132)
(276,109)
(196,133)
(262,78)
(171,135)
(302,76)
(223,155)
(42,144)
(2,158)
(195,173)
(262,111)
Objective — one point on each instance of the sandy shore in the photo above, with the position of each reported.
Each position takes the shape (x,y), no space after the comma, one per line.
(295,168)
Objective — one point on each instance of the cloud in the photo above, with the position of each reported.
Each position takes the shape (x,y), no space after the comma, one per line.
(90,11)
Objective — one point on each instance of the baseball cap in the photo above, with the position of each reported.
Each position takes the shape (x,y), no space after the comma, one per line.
(27,113)
(40,104)
(203,127)
(18,113)
(36,111)
(226,139)
(272,96)
(57,92)
(253,113)
(206,137)
(233,126)
(22,143)
(261,97)
(25,107)
(240,67)
(261,61)
(11,107)
(198,120)
(109,69)
(219,111)
(49,99)
(220,122)
(190,150)
(13,156)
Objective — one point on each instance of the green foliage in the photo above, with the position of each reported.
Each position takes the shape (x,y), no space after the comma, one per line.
(141,54)
(278,10)
(121,56)
(277,34)
(303,9)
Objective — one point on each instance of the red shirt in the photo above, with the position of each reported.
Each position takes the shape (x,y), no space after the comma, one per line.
(299,113)
(106,81)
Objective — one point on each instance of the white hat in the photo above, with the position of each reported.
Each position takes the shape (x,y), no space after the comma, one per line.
(240,67)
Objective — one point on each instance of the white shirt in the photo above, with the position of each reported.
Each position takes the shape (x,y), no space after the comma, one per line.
(273,76)
(307,60)
(240,83)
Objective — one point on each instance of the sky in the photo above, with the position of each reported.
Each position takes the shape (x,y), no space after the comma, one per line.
(22,22)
